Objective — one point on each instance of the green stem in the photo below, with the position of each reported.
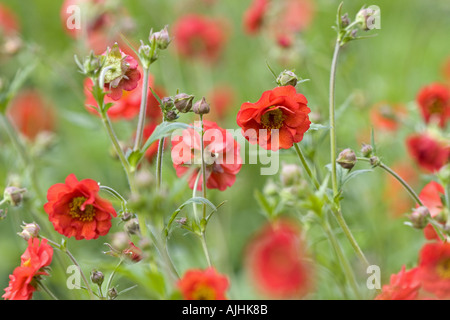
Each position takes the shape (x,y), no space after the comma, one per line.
(46,290)
(203,165)
(205,249)
(333,119)
(142,112)
(306,166)
(159,157)
(111,276)
(112,136)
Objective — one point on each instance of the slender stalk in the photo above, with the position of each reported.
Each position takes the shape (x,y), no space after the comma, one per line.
(346,268)
(203,165)
(112,136)
(159,157)
(306,166)
(333,118)
(46,290)
(111,276)
(142,111)
(205,249)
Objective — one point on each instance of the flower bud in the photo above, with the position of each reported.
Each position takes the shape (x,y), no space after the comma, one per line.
(113,293)
(132,226)
(365,17)
(366,150)
(14,195)
(162,38)
(29,230)
(167,103)
(419,217)
(171,115)
(347,159)
(375,161)
(183,102)
(133,252)
(345,21)
(97,277)
(201,107)
(287,78)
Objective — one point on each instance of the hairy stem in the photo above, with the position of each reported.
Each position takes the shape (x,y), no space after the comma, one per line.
(142,112)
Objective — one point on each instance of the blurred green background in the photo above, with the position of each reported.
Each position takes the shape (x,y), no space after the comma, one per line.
(406,53)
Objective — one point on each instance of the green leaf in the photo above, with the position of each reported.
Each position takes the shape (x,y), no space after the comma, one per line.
(318,126)
(133,157)
(353,174)
(163,130)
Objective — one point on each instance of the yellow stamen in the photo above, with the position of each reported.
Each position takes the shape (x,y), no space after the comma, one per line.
(443,268)
(87,214)
(272,119)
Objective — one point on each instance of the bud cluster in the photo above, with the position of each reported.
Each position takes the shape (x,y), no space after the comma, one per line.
(182,103)
(148,53)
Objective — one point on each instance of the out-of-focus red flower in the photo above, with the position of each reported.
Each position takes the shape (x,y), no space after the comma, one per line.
(434,268)
(387,116)
(430,233)
(429,152)
(127,107)
(205,284)
(403,286)
(133,252)
(199,36)
(221,99)
(276,261)
(76,210)
(222,157)
(397,199)
(434,103)
(37,256)
(431,197)
(31,113)
(8,21)
(282,109)
(254,16)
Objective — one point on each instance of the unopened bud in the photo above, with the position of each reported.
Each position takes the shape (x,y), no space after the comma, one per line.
(167,103)
(14,195)
(29,230)
(287,78)
(201,107)
(132,226)
(162,38)
(97,277)
(419,217)
(375,161)
(365,17)
(171,115)
(183,102)
(347,159)
(366,150)
(345,21)
(113,293)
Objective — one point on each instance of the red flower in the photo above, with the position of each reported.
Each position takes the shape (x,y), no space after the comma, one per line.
(281,108)
(434,103)
(133,252)
(386,116)
(434,268)
(8,21)
(31,114)
(222,157)
(199,36)
(275,259)
(76,210)
(123,75)
(33,260)
(403,286)
(127,107)
(431,198)
(221,99)
(429,152)
(203,285)
(254,16)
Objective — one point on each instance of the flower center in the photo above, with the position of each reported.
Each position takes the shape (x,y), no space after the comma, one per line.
(443,268)
(272,119)
(87,214)
(203,292)
(436,107)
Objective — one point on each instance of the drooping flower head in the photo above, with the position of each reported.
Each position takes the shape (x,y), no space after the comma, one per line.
(281,109)
(277,262)
(31,113)
(76,210)
(198,36)
(36,257)
(222,157)
(434,103)
(122,73)
(403,286)
(430,152)
(434,268)
(205,284)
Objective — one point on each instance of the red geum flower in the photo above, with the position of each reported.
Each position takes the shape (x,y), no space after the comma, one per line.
(282,109)
(37,256)
(222,157)
(276,261)
(205,284)
(133,252)
(31,113)
(123,73)
(76,210)
(430,152)
(403,286)
(221,99)
(387,116)
(434,268)
(431,197)
(254,16)
(8,21)
(434,103)
(127,107)
(199,36)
